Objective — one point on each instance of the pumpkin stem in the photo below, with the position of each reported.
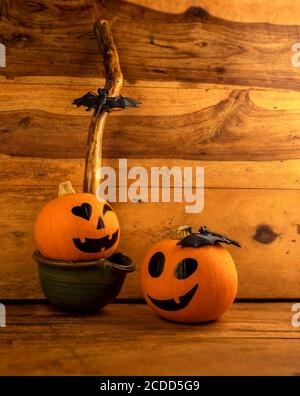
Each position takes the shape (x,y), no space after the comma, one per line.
(184,231)
(65,188)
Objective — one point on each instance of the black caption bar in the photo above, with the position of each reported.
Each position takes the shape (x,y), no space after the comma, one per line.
(137,385)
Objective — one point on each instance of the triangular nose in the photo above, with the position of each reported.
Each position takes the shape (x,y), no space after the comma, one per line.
(100,224)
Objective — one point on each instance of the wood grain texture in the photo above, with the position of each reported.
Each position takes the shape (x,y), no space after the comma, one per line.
(282,11)
(223,125)
(251,339)
(57,39)
(218,91)
(47,172)
(265,222)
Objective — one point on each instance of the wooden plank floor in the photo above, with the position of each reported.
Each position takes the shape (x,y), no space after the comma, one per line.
(129,339)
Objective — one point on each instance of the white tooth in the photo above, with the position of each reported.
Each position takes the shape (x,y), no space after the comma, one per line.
(82,240)
(177,300)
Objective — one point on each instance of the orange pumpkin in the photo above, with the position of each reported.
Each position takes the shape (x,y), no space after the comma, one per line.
(77,227)
(192,280)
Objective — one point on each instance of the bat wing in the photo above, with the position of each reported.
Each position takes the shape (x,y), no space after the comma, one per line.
(205,237)
(194,241)
(122,102)
(215,237)
(90,100)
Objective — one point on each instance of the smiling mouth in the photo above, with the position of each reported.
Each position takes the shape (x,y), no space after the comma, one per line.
(172,305)
(95,245)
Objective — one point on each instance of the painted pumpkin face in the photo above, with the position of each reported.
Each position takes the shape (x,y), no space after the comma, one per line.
(187,283)
(77,227)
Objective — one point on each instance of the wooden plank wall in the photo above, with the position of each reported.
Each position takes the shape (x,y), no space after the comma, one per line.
(218,90)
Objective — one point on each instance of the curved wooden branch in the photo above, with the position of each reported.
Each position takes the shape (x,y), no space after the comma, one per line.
(113,83)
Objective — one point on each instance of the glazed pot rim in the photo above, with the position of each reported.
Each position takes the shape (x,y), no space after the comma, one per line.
(127,266)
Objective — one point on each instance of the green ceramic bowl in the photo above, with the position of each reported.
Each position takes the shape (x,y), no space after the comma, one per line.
(82,285)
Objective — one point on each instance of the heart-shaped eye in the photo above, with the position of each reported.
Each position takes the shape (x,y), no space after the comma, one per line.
(106,208)
(84,211)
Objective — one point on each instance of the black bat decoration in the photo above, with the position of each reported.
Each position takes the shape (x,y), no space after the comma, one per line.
(104,102)
(205,237)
